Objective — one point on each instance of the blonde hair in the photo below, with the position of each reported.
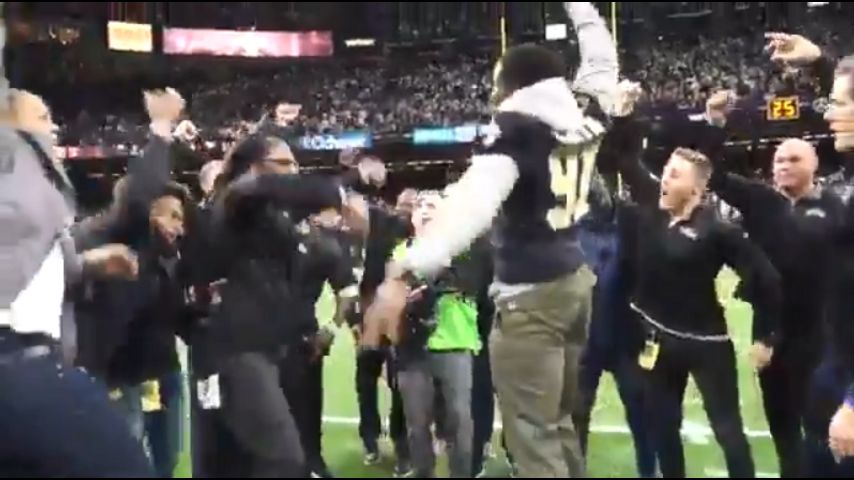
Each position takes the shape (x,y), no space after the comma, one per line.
(701,162)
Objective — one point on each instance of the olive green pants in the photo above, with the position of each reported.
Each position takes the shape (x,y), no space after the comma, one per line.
(535,349)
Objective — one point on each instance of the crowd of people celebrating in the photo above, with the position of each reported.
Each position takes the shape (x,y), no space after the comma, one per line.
(398,94)
(555,256)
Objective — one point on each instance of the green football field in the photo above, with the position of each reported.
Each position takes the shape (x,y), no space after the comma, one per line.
(611,451)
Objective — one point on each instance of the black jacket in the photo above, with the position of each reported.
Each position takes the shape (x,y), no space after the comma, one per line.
(126,329)
(160,312)
(675,267)
(105,309)
(800,238)
(321,259)
(842,302)
(250,242)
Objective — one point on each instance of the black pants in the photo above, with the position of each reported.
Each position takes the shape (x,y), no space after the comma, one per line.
(302,381)
(57,421)
(630,385)
(828,386)
(712,364)
(369,366)
(256,412)
(785,383)
(216,453)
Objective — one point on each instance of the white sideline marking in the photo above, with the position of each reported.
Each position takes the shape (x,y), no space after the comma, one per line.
(690,430)
(713,473)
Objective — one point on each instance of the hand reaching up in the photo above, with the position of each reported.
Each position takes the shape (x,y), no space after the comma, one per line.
(791,49)
(186,131)
(164,108)
(286,113)
(717,107)
(628,93)
(372,171)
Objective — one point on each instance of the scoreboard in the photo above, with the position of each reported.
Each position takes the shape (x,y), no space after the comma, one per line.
(783,109)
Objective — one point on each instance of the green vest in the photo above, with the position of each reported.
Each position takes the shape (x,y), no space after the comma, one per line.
(456,320)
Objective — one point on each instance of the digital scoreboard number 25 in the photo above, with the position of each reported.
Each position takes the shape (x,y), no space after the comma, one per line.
(784,108)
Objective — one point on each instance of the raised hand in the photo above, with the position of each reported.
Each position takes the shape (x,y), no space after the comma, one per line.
(717,107)
(372,171)
(186,131)
(791,49)
(164,104)
(164,108)
(355,213)
(286,113)
(628,93)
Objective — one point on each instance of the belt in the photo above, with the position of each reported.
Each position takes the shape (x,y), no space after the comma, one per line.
(677,333)
(451,350)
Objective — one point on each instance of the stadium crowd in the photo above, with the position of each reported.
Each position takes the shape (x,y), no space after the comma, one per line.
(524,280)
(397,95)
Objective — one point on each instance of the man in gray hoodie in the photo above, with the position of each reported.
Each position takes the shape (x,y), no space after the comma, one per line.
(532,181)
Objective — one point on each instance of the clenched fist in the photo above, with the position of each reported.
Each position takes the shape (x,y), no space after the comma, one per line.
(111,261)
(164,106)
(286,113)
(372,171)
(628,93)
(717,107)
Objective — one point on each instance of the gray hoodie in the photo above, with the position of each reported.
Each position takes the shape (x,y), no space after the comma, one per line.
(34,213)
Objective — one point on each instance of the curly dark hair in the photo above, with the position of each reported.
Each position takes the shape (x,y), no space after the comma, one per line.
(526,64)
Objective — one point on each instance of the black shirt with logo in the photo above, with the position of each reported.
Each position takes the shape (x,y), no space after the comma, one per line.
(676,264)
(799,237)
(322,259)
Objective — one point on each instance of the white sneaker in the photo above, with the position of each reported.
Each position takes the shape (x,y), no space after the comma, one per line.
(372,459)
(488,452)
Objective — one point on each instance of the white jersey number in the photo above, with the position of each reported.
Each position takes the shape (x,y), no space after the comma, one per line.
(570,182)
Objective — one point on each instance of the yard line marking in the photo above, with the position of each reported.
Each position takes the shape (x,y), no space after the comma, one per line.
(711,472)
(690,430)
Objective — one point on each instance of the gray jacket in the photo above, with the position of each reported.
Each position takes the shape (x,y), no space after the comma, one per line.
(34,212)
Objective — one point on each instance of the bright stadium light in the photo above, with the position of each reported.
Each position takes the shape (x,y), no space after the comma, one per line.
(556,31)
(360,42)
